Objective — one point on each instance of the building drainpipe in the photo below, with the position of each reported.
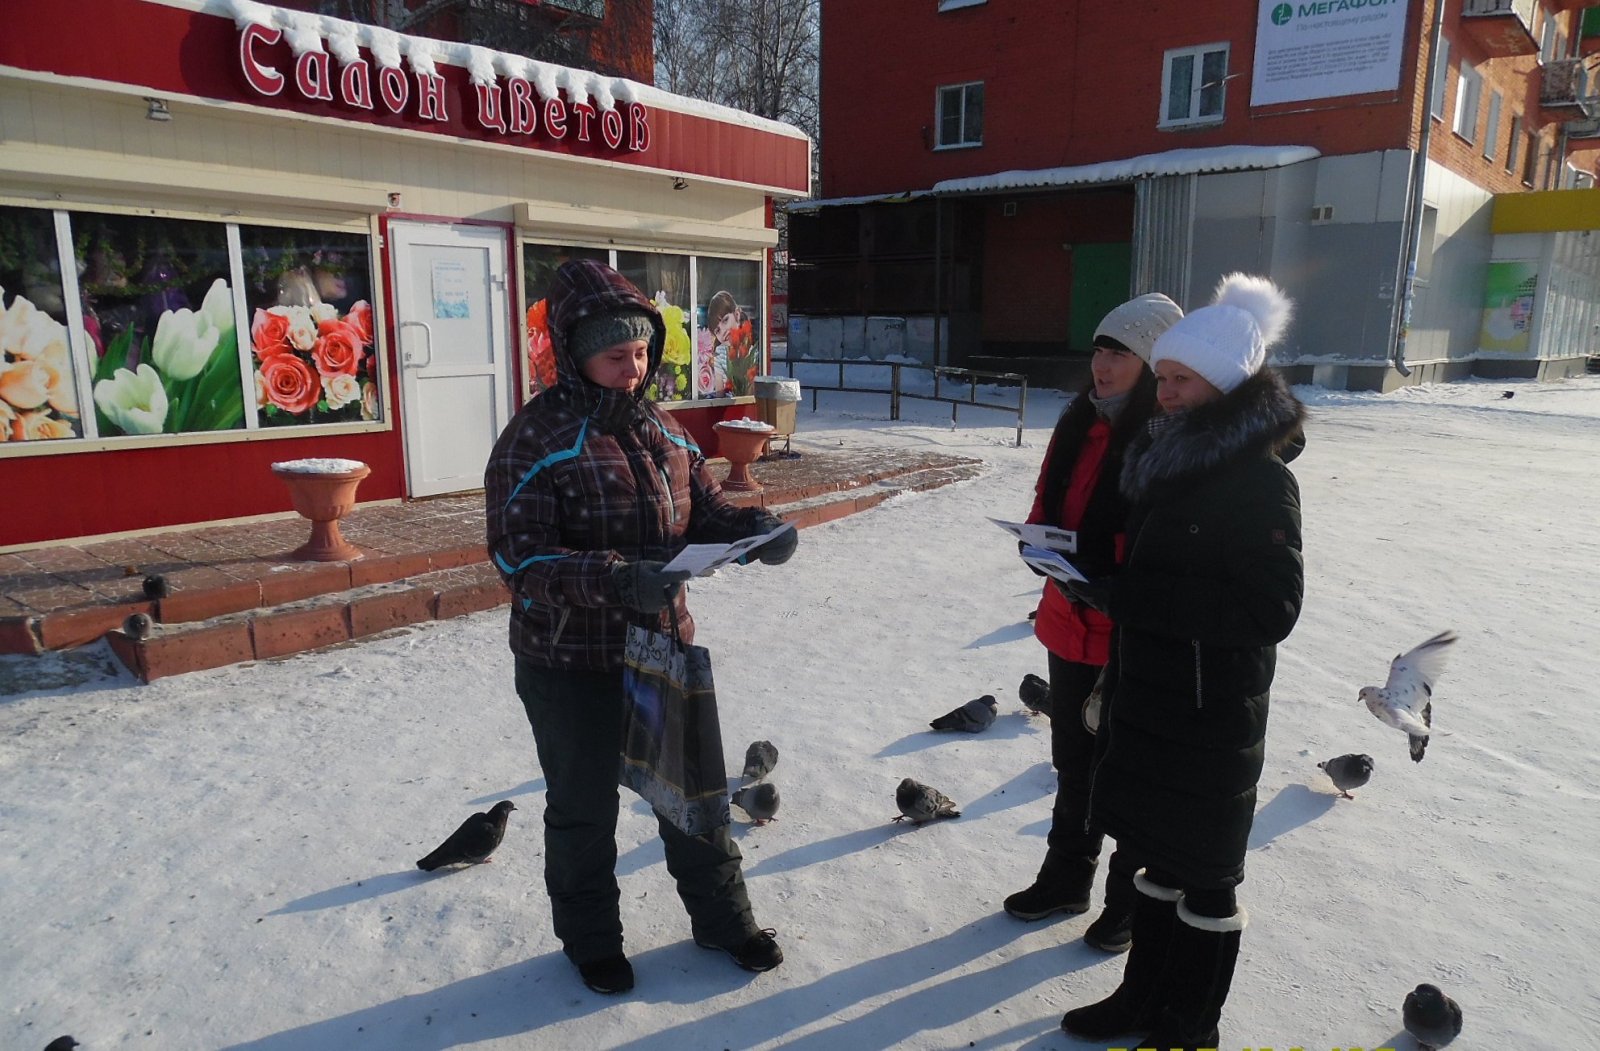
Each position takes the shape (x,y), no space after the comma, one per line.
(1419,173)
(938,240)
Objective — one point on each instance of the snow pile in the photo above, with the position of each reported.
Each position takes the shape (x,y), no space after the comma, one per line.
(318,465)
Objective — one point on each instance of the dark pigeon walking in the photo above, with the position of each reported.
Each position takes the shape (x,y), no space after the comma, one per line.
(1347,772)
(1034,694)
(920,803)
(61,1043)
(759,759)
(973,717)
(474,841)
(1431,1016)
(760,801)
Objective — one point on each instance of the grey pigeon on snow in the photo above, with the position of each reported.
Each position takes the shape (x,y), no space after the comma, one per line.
(759,759)
(972,717)
(1405,702)
(61,1043)
(919,803)
(1431,1016)
(1347,771)
(1034,694)
(760,801)
(474,841)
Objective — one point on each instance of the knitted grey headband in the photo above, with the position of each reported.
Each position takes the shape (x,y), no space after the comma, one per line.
(602,331)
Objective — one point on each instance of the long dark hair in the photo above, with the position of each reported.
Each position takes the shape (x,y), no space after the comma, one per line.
(1073,426)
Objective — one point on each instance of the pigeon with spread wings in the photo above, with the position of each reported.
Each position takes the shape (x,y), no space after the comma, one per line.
(1405,702)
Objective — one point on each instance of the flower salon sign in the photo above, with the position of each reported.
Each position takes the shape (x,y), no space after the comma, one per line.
(510,96)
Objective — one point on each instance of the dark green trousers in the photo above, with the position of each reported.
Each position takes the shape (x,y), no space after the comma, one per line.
(577,728)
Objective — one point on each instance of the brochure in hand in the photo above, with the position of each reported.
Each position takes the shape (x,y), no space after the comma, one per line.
(702,560)
(1051,564)
(1051,538)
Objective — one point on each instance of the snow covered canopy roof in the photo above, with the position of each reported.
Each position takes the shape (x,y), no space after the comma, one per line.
(1145,166)
(1149,165)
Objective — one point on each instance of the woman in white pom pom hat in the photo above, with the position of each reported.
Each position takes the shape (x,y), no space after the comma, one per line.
(1212,582)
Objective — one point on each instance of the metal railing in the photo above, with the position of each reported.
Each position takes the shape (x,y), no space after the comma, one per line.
(941,375)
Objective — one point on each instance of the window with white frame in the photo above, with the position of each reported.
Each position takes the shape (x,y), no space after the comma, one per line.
(1547,39)
(1512,142)
(1193,85)
(1491,130)
(960,115)
(1441,70)
(1469,87)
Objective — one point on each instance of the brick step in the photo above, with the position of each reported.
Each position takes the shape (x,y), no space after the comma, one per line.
(337,603)
(308,623)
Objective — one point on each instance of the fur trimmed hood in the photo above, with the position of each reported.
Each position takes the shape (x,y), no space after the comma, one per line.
(1258,418)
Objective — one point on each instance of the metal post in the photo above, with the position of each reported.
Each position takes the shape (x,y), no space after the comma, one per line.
(938,240)
(1022,409)
(894,391)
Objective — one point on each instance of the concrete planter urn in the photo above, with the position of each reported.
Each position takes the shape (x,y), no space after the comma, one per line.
(742,443)
(324,491)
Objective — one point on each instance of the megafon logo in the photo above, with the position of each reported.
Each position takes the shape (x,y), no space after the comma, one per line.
(1281,14)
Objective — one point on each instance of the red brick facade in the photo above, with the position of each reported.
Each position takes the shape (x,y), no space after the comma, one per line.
(1068,84)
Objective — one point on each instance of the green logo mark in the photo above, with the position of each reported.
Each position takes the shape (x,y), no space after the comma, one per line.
(1281,14)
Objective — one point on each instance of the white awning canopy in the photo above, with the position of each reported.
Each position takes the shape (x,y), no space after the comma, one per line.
(1149,165)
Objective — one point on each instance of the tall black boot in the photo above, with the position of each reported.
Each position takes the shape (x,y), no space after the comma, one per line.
(1204,952)
(1112,930)
(1063,885)
(1131,1008)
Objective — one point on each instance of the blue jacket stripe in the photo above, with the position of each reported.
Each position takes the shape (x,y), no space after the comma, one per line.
(674,439)
(553,458)
(510,570)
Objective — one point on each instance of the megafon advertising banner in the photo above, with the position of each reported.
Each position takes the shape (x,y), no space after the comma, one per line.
(1318,49)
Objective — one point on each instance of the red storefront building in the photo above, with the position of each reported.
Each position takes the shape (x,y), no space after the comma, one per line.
(233,234)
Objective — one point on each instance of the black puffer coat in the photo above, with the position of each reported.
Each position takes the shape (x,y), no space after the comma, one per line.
(1212,582)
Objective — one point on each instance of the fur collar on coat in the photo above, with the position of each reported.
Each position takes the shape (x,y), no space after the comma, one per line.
(1257,419)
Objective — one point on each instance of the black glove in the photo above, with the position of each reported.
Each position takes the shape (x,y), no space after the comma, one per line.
(1094,593)
(1022,545)
(777,551)
(645,585)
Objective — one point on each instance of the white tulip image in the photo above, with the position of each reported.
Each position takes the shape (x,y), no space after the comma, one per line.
(134,401)
(183,344)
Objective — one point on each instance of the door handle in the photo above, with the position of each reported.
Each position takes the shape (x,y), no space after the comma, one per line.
(428,330)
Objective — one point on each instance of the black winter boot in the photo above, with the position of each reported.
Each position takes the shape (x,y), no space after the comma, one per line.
(1131,1008)
(1204,952)
(1112,930)
(1061,886)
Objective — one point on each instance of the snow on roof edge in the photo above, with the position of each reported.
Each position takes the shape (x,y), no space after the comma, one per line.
(424,52)
(1169,162)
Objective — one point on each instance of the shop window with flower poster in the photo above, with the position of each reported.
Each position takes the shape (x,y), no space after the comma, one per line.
(308,296)
(38,386)
(158,311)
(727,347)
(539,266)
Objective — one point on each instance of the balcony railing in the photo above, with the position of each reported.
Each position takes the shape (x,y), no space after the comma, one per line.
(1564,83)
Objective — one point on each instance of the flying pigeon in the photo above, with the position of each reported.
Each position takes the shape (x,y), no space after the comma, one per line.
(1405,702)
(759,759)
(973,717)
(1431,1016)
(61,1043)
(138,626)
(474,841)
(760,801)
(1348,771)
(155,586)
(1035,694)
(919,803)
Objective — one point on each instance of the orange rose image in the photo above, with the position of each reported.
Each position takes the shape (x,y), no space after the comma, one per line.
(269,334)
(338,349)
(541,353)
(291,385)
(359,317)
(25,384)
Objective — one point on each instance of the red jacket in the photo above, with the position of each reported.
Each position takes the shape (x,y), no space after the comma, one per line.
(1071,630)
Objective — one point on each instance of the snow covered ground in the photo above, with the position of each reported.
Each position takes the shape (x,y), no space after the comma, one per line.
(225,859)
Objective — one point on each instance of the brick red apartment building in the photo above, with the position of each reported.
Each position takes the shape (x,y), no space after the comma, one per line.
(994,175)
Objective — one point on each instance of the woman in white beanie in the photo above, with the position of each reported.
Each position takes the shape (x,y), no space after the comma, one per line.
(1077,490)
(1213,581)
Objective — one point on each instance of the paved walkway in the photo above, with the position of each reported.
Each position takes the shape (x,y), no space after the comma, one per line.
(68,594)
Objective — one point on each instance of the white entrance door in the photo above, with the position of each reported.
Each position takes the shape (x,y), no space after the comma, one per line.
(453,317)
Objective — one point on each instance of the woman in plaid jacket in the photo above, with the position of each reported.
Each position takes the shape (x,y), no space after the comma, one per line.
(589,491)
